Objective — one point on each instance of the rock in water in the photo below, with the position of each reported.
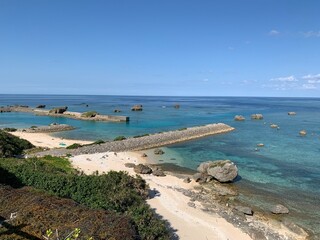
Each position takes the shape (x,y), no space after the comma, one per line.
(257,116)
(303,132)
(222,170)
(245,210)
(137,108)
(292,113)
(279,209)
(142,169)
(239,118)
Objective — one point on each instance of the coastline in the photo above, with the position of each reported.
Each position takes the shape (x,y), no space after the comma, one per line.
(174,200)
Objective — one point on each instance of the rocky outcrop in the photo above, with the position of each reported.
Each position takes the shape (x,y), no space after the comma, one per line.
(90,114)
(244,210)
(129,165)
(303,133)
(257,116)
(137,108)
(279,209)
(260,145)
(158,172)
(274,126)
(239,118)
(59,110)
(5,109)
(47,129)
(158,151)
(41,106)
(142,169)
(221,170)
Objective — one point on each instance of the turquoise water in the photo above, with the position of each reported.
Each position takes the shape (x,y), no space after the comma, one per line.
(286,170)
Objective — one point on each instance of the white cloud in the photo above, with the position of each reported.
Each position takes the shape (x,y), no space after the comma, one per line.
(274,32)
(309,86)
(284,79)
(311,34)
(312,78)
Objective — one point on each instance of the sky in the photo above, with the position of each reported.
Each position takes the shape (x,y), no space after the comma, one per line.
(161,48)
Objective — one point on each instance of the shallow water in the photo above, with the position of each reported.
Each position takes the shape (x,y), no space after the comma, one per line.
(286,170)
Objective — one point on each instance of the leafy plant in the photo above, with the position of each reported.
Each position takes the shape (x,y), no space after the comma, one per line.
(119,138)
(11,145)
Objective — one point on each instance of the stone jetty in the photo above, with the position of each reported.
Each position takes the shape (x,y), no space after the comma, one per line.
(146,142)
(62,112)
(48,129)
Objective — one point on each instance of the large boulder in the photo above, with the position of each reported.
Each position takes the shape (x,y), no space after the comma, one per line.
(222,170)
(137,108)
(41,106)
(142,169)
(58,110)
(257,116)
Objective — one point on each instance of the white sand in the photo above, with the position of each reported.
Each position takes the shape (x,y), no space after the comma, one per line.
(189,222)
(45,140)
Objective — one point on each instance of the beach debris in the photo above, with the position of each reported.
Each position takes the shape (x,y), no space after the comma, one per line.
(158,151)
(129,165)
(239,118)
(292,113)
(257,116)
(117,110)
(158,172)
(144,155)
(274,125)
(41,106)
(176,106)
(137,108)
(142,169)
(260,145)
(303,133)
(279,209)
(221,170)
(187,180)
(245,210)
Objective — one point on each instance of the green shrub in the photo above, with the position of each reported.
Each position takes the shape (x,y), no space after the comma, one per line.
(142,135)
(99,142)
(119,138)
(11,145)
(74,146)
(10,129)
(89,114)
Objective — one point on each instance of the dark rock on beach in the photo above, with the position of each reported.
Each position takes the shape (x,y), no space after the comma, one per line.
(158,172)
(129,165)
(158,151)
(142,169)
(222,170)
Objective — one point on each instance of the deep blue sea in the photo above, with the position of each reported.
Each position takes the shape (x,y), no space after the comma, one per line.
(286,170)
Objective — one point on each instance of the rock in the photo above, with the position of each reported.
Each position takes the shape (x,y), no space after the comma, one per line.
(303,133)
(197,177)
(192,204)
(223,170)
(144,155)
(158,172)
(41,106)
(257,116)
(239,118)
(158,151)
(58,110)
(260,145)
(129,165)
(203,167)
(177,106)
(187,180)
(142,169)
(279,209)
(136,108)
(292,113)
(274,126)
(117,110)
(245,210)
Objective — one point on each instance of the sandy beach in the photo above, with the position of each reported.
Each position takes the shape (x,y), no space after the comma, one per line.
(47,141)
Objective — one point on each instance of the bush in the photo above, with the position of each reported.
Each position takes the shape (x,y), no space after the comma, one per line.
(74,146)
(10,129)
(99,142)
(119,138)
(143,135)
(11,145)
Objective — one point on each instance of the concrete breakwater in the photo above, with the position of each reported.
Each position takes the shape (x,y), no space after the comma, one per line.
(67,114)
(48,129)
(146,142)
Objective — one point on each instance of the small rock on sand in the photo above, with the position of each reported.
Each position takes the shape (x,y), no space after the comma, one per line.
(279,209)
(129,165)
(142,169)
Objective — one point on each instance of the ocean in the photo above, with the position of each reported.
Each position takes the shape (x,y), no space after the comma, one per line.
(286,170)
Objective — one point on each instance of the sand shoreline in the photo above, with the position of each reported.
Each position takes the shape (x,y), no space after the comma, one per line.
(190,221)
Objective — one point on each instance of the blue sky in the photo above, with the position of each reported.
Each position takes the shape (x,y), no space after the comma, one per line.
(167,47)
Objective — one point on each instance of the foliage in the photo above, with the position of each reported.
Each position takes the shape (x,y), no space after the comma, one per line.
(142,135)
(115,191)
(10,129)
(11,145)
(99,142)
(74,146)
(89,114)
(119,138)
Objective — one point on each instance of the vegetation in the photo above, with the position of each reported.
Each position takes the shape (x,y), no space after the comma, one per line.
(74,146)
(10,129)
(89,114)
(116,191)
(11,145)
(142,135)
(119,138)
(99,142)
